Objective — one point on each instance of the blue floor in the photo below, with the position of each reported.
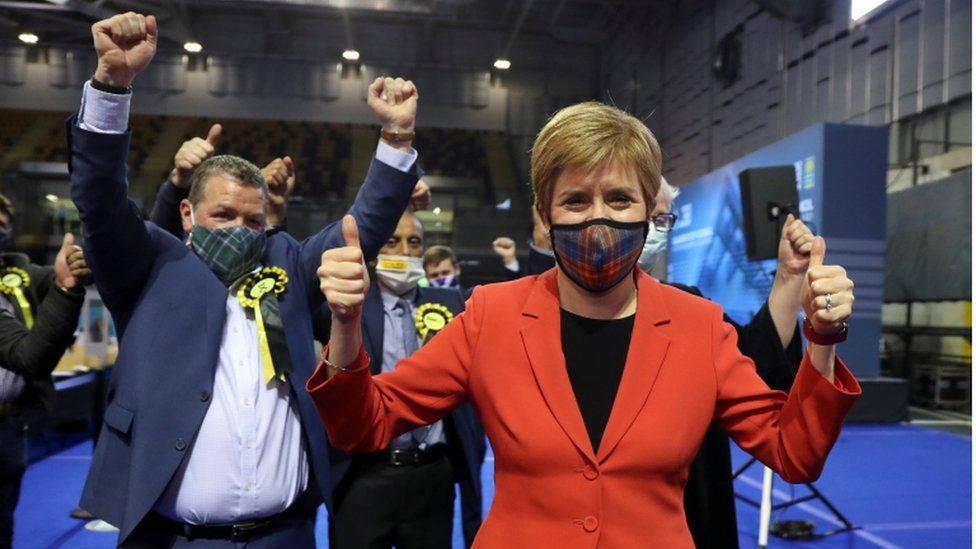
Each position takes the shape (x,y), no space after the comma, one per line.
(905,487)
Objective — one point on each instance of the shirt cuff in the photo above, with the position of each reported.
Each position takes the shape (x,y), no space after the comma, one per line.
(103,112)
(395,158)
(514,266)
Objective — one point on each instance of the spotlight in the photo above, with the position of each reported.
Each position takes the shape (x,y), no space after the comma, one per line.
(51,197)
(193,47)
(503,64)
(350,55)
(28,38)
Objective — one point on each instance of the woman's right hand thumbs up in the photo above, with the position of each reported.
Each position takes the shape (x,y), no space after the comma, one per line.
(343,277)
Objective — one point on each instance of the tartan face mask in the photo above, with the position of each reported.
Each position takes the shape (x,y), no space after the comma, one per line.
(599,253)
(230,252)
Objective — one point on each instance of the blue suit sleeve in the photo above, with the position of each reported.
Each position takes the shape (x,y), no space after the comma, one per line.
(539,262)
(378,206)
(118,244)
(166,210)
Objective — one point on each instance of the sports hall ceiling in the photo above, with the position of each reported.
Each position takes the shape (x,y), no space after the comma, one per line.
(299,28)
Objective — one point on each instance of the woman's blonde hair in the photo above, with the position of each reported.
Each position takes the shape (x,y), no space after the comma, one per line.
(587,135)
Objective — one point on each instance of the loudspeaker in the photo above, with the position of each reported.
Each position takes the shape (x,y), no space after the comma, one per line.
(768,194)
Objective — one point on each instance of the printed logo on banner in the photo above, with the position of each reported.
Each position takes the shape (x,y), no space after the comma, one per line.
(806,210)
(809,173)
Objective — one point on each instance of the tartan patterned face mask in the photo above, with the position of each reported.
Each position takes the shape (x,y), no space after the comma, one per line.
(599,253)
(230,252)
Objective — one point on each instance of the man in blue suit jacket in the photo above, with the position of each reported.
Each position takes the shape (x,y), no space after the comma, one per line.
(404,495)
(208,436)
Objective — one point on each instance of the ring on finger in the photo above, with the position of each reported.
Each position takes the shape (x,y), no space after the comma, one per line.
(829,302)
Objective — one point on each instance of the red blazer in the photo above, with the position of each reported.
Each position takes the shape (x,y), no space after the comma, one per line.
(683,370)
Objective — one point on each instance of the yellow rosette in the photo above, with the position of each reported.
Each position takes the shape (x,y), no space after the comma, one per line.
(13,282)
(257,292)
(431,318)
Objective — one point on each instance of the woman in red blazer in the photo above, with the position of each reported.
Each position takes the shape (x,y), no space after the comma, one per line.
(595,383)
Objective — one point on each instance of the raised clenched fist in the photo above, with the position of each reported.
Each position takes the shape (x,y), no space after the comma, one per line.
(394,101)
(125,44)
(505,248)
(420,197)
(279,175)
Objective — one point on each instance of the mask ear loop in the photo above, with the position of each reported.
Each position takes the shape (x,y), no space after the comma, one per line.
(193,222)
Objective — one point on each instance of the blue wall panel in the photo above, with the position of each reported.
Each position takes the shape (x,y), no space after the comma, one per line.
(841,185)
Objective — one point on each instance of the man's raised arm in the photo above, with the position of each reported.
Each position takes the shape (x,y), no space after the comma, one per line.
(118,245)
(389,183)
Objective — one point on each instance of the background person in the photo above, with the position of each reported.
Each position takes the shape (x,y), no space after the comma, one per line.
(403,495)
(39,309)
(443,269)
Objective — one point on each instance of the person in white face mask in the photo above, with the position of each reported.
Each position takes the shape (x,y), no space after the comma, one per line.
(404,495)
(662,221)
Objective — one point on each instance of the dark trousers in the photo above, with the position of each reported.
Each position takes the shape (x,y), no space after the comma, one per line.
(297,531)
(710,495)
(378,506)
(13,463)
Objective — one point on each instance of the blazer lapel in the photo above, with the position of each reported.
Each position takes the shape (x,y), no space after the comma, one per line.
(540,336)
(648,349)
(373,328)
(216,311)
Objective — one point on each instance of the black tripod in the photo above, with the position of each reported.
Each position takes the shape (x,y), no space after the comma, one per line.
(814,494)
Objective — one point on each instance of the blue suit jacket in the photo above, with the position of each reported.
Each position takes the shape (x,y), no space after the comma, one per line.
(465,435)
(169,312)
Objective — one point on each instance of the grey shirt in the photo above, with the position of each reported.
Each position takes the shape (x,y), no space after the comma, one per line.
(395,348)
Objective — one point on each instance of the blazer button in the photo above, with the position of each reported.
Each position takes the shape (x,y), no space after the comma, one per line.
(590,473)
(180,444)
(204,396)
(590,523)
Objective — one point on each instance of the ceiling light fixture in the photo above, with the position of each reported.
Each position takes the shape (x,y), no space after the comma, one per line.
(193,47)
(503,64)
(350,55)
(28,38)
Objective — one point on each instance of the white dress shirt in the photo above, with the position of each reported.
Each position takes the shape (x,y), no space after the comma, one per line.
(248,459)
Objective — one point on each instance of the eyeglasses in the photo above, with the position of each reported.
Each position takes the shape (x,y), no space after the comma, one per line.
(664,222)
